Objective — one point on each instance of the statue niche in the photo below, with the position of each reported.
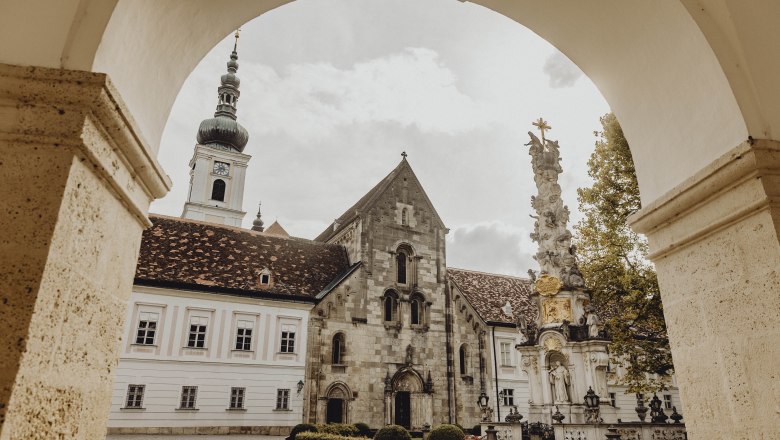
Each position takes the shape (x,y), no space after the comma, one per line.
(560,378)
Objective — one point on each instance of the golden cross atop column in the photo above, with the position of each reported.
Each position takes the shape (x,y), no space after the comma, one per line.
(542,125)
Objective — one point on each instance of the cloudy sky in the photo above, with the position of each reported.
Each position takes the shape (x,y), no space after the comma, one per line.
(332,91)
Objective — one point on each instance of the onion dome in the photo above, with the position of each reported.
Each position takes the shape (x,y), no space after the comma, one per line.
(223,131)
(257,224)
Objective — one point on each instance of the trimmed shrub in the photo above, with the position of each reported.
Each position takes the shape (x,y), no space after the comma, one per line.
(363,430)
(446,432)
(392,432)
(476,430)
(301,427)
(341,429)
(325,436)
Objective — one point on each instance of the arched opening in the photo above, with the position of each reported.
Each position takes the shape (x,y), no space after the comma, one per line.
(400,267)
(418,310)
(337,349)
(390,306)
(336,407)
(673,95)
(463,354)
(218,190)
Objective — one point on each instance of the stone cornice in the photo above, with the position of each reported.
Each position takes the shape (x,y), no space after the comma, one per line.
(740,183)
(83,111)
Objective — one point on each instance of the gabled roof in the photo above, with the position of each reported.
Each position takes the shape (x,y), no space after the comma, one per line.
(488,293)
(193,255)
(276,230)
(367,201)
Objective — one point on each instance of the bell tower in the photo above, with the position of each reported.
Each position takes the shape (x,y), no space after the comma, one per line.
(218,164)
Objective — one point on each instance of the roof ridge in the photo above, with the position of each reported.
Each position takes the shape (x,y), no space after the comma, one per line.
(232,228)
(489,273)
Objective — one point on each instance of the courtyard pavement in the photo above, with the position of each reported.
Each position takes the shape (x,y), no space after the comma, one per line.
(192,437)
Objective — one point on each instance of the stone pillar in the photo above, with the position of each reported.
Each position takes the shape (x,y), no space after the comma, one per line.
(77,180)
(714,240)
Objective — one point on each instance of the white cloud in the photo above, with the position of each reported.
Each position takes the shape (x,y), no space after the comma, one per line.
(410,88)
(491,247)
(561,71)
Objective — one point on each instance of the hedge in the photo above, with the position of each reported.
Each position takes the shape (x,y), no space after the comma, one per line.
(446,432)
(392,432)
(325,436)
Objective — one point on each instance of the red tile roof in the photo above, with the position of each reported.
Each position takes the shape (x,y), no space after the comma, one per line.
(202,256)
(488,293)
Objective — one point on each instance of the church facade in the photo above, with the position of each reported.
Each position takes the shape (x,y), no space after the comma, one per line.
(232,330)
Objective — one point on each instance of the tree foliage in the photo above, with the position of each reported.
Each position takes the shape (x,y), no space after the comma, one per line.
(613,260)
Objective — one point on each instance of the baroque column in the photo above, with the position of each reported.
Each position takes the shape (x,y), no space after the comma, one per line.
(714,241)
(77,181)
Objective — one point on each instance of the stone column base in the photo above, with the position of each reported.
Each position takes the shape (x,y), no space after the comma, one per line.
(77,182)
(714,240)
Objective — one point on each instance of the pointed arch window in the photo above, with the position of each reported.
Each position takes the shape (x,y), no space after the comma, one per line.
(417,310)
(337,355)
(218,190)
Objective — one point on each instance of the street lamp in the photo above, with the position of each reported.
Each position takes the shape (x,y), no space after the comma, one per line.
(300,386)
(483,400)
(592,401)
(487,412)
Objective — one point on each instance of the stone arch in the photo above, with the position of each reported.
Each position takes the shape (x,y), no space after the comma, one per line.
(337,403)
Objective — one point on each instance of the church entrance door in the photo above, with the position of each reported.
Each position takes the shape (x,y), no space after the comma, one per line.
(335,411)
(403,406)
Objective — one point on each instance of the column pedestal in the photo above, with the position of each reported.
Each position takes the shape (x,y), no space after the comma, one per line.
(77,181)
(714,240)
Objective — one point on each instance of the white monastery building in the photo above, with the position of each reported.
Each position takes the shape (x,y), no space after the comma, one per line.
(253,331)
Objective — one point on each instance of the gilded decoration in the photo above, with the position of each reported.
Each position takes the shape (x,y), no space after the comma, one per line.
(556,310)
(552,344)
(548,285)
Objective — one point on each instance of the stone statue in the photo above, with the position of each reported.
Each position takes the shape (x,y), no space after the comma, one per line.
(560,380)
(593,323)
(555,255)
(409,355)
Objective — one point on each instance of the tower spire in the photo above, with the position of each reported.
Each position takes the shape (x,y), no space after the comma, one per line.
(257,224)
(223,131)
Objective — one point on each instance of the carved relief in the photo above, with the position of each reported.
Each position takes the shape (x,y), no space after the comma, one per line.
(552,344)
(547,285)
(556,310)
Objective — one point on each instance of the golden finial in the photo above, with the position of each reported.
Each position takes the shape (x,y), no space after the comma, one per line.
(541,124)
(235,45)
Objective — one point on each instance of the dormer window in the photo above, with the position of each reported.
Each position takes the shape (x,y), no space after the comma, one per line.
(264,280)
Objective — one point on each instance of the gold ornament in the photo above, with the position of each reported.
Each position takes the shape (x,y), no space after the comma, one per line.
(552,344)
(548,285)
(556,310)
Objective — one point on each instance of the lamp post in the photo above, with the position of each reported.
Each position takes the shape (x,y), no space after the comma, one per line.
(592,401)
(482,401)
(300,386)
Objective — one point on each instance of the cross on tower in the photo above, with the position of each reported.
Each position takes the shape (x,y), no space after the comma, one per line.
(403,154)
(542,125)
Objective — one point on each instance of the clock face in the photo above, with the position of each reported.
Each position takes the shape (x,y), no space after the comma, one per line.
(221,168)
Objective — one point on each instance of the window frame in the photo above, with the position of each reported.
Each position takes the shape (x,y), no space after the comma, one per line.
(667,399)
(134,396)
(147,329)
(282,399)
(193,343)
(214,190)
(463,359)
(237,398)
(507,396)
(337,355)
(401,267)
(190,393)
(287,343)
(243,342)
(613,399)
(506,356)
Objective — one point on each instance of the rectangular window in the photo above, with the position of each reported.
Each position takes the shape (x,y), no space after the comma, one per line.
(244,335)
(147,328)
(135,396)
(237,398)
(506,354)
(283,399)
(667,401)
(612,399)
(507,397)
(288,339)
(188,397)
(197,337)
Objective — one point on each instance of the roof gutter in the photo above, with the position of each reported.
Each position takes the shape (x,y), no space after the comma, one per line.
(260,294)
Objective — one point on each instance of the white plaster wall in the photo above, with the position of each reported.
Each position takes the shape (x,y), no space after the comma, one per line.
(167,366)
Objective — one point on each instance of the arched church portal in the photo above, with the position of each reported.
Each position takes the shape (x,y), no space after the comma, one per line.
(337,397)
(408,404)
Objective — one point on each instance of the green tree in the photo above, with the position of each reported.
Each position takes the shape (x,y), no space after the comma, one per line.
(613,260)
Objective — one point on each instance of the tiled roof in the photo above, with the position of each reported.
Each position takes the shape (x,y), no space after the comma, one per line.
(190,254)
(488,293)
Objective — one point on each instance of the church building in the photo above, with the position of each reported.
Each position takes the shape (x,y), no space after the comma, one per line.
(230,330)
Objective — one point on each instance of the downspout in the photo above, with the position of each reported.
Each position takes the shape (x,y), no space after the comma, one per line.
(495,369)
(447,331)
